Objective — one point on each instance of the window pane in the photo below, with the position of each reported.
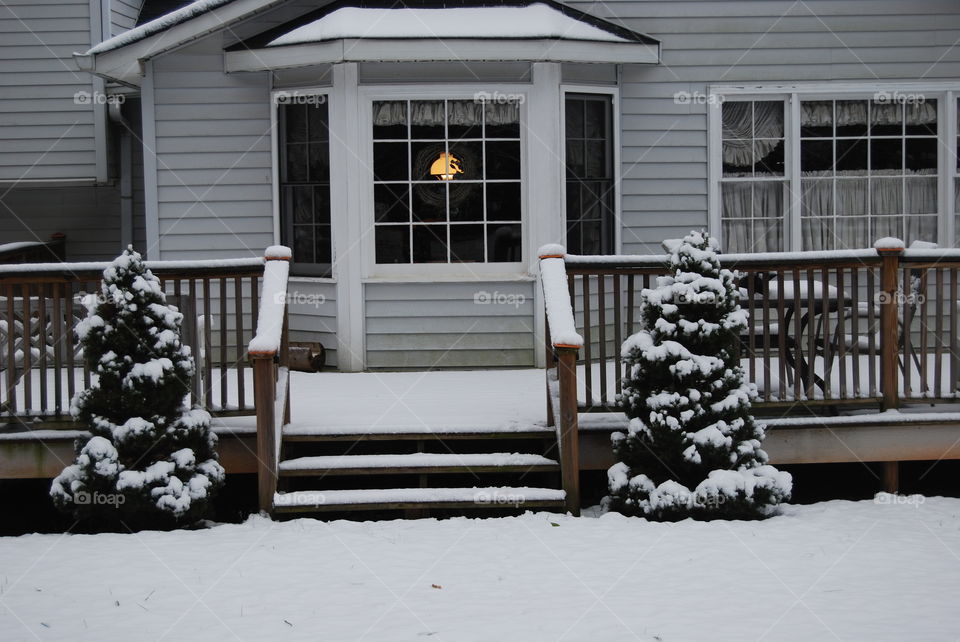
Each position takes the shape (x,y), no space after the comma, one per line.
(575,161)
(851,117)
(816,155)
(470,157)
(503,243)
(299,204)
(886,119)
(886,153)
(573,126)
(424,155)
(502,119)
(503,201)
(920,195)
(817,197)
(768,119)
(321,204)
(887,226)
(319,162)
(323,243)
(427,118)
(503,160)
(852,232)
(770,157)
(595,119)
(303,246)
(886,196)
(296,166)
(922,155)
(295,123)
(921,228)
(852,198)
(817,233)
(816,118)
(390,161)
(391,203)
(429,243)
(466,202)
(393,244)
(317,121)
(464,119)
(596,159)
(921,116)
(430,202)
(852,155)
(390,119)
(466,243)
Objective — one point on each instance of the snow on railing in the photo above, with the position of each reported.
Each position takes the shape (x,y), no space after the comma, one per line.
(556,296)
(273,302)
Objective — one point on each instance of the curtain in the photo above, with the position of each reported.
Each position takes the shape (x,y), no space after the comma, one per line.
(432,112)
(746,122)
(752,216)
(819,113)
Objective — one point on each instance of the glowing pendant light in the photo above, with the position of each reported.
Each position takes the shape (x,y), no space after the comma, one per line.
(446,167)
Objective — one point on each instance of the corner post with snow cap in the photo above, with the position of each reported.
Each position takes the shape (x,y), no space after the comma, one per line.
(269,352)
(563,342)
(890,251)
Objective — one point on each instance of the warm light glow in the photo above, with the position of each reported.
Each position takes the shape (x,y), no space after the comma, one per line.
(446,167)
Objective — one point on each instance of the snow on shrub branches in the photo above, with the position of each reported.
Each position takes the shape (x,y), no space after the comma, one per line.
(692,448)
(150,453)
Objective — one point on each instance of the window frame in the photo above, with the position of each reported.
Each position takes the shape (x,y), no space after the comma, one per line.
(276,144)
(944,93)
(615,144)
(368,94)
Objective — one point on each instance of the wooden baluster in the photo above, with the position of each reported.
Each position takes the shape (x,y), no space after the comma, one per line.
(630,315)
(588,361)
(69,330)
(617,337)
(811,335)
(11,352)
(264,391)
(42,344)
(841,334)
(907,339)
(241,352)
(954,351)
(57,349)
(767,374)
(872,329)
(825,321)
(919,297)
(938,337)
(207,347)
(752,324)
(26,349)
(95,290)
(602,332)
(855,329)
(224,343)
(781,337)
(797,333)
(254,302)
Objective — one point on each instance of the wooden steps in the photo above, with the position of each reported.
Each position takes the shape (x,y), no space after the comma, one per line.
(416,463)
(418,498)
(382,469)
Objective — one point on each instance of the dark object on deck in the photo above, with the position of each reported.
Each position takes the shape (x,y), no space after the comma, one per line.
(52,251)
(307,357)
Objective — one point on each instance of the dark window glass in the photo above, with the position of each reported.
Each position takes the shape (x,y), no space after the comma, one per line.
(589,171)
(305,186)
(444,170)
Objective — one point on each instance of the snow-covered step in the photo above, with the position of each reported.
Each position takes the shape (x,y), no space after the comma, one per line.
(416,463)
(402,498)
(307,431)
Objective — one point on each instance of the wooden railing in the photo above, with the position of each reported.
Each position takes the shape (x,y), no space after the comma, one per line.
(42,364)
(270,352)
(874,327)
(34,251)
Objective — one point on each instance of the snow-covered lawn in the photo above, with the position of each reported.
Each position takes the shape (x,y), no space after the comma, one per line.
(836,570)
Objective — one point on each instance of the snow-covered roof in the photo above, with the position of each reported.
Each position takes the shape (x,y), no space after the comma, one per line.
(532,21)
(162,23)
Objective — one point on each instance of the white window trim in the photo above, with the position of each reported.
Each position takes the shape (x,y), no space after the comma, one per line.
(275,95)
(944,92)
(614,93)
(462,271)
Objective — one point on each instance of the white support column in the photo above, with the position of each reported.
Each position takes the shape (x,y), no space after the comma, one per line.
(151,205)
(544,188)
(99,31)
(346,183)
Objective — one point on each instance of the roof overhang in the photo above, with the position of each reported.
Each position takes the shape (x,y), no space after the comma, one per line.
(439,50)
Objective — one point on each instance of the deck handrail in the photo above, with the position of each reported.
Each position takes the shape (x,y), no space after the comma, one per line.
(563,343)
(270,354)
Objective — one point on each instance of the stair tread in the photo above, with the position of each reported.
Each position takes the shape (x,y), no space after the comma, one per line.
(416,460)
(301,429)
(488,496)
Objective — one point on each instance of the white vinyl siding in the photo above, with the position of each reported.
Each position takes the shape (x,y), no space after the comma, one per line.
(123,15)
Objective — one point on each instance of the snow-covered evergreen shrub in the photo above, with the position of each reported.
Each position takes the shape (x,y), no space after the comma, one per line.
(151,460)
(692,448)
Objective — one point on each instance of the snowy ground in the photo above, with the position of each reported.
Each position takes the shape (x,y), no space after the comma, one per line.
(837,570)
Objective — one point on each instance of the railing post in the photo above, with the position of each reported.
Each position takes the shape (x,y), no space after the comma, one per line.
(889,301)
(264,388)
(569,432)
